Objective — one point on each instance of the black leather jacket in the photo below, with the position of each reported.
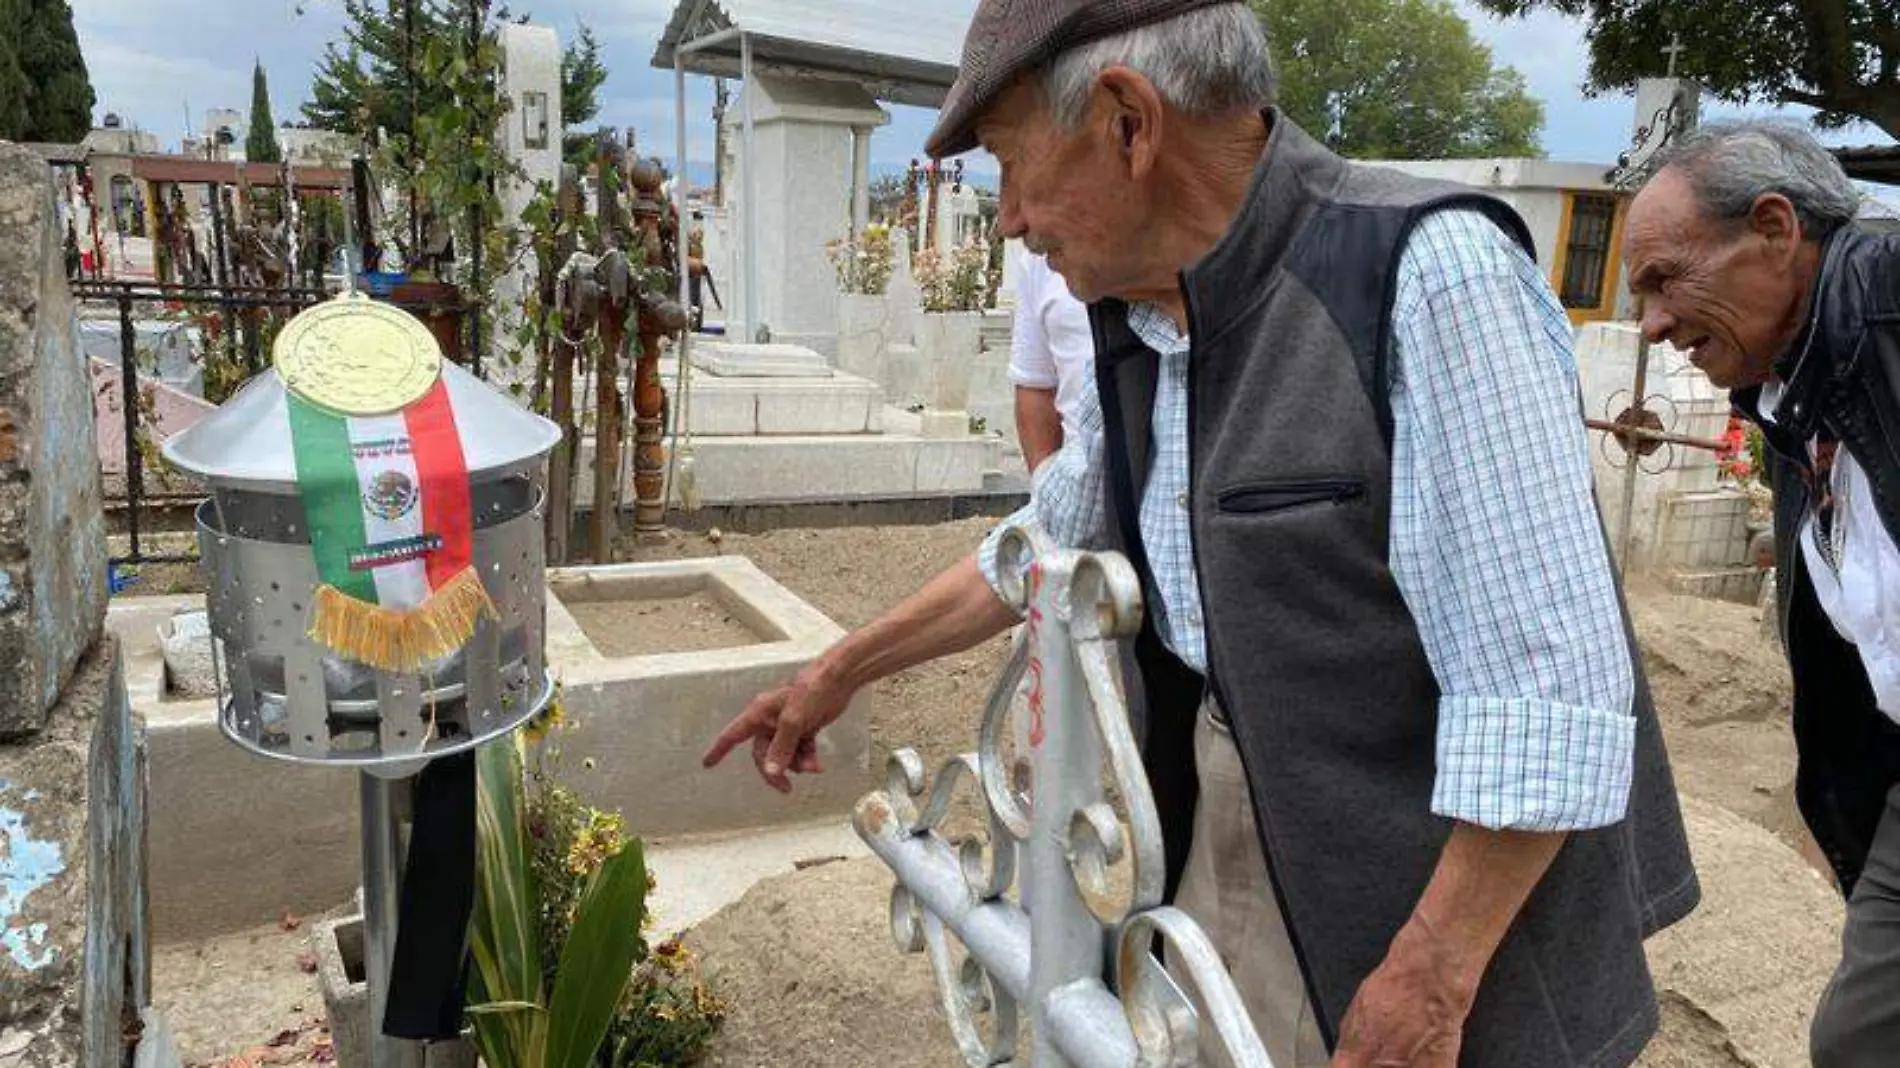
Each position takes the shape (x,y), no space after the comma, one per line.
(1841,374)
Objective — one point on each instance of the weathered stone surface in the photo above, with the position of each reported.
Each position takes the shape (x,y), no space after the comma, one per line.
(52,527)
(74,954)
(190,669)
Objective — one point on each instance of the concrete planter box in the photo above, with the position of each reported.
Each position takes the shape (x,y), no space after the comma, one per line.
(949,343)
(346,1000)
(642,721)
(863,330)
(638,724)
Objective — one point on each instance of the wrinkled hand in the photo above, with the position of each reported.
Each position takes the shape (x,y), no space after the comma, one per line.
(783,726)
(1410,1012)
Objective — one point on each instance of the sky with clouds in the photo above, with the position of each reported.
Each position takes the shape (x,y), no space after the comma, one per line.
(162,63)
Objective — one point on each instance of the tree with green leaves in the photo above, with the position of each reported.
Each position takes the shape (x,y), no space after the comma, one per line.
(370,82)
(16,111)
(582,75)
(1397,79)
(260,144)
(1840,57)
(46,50)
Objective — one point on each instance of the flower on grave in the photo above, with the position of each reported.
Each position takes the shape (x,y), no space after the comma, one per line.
(864,264)
(958,282)
(599,838)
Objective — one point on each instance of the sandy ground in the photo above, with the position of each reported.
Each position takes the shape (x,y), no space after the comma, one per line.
(808,962)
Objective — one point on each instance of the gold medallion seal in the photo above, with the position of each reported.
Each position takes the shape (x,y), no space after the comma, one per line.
(355,356)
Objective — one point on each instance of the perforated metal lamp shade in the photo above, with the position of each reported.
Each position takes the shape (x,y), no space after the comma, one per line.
(285,696)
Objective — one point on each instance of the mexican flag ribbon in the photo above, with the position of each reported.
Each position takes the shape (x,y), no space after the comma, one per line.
(386,498)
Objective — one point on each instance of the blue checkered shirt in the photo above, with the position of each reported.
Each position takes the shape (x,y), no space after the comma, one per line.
(1496,544)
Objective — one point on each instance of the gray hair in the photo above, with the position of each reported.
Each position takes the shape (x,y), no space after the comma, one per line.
(1731,165)
(1210,61)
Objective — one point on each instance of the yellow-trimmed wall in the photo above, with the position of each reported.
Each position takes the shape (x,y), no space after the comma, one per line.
(1605,308)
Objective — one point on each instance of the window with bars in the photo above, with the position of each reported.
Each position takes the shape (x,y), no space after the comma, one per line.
(1592,219)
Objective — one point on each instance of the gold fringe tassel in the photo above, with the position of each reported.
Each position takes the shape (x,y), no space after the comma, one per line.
(401,640)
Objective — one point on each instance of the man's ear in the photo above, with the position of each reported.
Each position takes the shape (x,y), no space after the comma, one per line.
(1773,219)
(1134,117)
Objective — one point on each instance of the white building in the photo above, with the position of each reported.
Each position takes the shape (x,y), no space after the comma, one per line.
(1575,219)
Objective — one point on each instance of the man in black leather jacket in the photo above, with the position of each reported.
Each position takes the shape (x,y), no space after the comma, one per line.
(1745,253)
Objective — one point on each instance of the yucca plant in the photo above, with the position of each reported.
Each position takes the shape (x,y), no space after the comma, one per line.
(518,1021)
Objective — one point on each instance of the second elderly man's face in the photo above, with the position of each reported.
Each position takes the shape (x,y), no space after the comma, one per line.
(1720,290)
(1066,194)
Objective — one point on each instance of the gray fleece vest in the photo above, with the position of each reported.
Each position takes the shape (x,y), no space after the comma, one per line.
(1312,651)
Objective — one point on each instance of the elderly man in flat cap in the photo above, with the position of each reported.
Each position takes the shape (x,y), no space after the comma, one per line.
(1412,784)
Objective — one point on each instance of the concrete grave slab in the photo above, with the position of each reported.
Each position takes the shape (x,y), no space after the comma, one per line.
(731,359)
(235,841)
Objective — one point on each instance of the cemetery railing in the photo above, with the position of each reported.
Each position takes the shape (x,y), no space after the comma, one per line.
(1059,945)
(132,300)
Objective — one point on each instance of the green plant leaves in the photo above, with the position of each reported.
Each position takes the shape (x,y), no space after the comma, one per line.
(598,959)
(502,932)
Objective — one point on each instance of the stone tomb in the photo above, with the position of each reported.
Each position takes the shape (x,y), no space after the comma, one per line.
(814,433)
(653,658)
(811,138)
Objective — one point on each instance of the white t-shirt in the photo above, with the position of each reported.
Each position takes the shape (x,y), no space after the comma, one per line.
(1052,347)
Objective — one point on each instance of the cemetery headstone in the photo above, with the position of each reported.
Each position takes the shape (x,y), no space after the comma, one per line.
(804,137)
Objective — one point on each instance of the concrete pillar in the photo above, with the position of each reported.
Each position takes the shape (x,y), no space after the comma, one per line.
(860,179)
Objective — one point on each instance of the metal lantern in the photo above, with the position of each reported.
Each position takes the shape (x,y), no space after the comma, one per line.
(282,693)
(373,550)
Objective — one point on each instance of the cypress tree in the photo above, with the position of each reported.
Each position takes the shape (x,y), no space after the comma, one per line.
(260,144)
(48,55)
(16,114)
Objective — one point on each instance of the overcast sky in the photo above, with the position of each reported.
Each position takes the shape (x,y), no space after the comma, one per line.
(155,62)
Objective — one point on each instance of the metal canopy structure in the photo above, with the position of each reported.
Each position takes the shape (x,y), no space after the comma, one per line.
(1871,163)
(900,51)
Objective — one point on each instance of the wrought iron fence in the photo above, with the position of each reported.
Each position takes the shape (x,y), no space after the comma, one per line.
(1051,945)
(233,323)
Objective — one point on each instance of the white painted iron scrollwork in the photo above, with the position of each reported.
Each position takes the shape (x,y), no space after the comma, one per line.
(1048,946)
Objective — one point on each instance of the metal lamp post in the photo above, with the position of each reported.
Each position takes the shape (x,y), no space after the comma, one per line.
(282,694)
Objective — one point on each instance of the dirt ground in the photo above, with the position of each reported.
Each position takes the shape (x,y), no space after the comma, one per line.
(807,961)
(691,624)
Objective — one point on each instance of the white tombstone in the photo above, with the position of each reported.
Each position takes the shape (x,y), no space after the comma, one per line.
(906,297)
(811,139)
(959,217)
(1655,97)
(531,136)
(1014,252)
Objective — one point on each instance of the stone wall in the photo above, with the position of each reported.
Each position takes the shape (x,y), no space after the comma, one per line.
(52,527)
(75,967)
(74,960)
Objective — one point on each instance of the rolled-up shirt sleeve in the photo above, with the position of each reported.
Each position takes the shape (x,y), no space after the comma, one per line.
(1067,497)
(1496,543)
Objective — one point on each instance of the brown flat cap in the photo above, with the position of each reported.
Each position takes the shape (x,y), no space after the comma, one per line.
(1009,37)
